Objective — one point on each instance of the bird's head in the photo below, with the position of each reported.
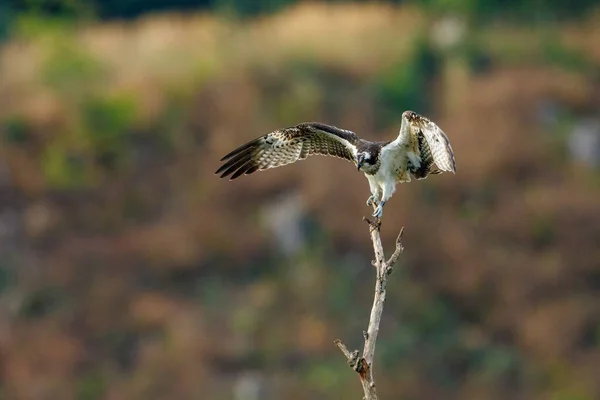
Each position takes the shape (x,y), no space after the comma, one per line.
(364,160)
(410,116)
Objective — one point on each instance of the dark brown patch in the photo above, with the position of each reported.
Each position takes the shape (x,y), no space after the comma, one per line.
(426,159)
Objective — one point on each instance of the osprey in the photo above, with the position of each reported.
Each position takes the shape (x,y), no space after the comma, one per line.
(420,144)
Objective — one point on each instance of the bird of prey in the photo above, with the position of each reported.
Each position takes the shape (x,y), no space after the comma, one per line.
(420,144)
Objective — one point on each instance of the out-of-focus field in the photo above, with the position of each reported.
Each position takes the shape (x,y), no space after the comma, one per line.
(129,271)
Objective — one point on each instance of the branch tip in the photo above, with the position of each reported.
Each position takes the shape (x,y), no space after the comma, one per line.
(343,348)
(373,224)
(399,249)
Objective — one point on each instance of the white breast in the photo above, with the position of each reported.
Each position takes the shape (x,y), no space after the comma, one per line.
(394,163)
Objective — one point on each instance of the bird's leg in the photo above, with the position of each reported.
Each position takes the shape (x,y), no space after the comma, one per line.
(388,190)
(379,210)
(375,192)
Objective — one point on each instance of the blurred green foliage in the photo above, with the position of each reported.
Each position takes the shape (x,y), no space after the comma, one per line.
(479,11)
(91,386)
(69,69)
(403,86)
(64,168)
(8,276)
(6,17)
(326,375)
(15,130)
(103,124)
(554,52)
(249,8)
(475,54)
(299,97)
(108,121)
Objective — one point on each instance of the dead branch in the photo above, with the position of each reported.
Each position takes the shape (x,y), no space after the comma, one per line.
(363,365)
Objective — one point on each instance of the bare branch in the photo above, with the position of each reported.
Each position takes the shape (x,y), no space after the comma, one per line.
(364,365)
(343,348)
(399,249)
(354,359)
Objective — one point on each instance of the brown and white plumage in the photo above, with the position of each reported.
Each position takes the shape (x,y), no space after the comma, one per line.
(289,145)
(420,144)
(434,146)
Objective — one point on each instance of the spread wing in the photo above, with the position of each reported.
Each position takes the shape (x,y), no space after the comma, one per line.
(437,142)
(289,145)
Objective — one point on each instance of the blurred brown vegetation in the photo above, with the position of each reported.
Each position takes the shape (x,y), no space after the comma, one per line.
(129,271)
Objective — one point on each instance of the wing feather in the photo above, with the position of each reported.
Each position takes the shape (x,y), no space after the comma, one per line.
(289,145)
(439,144)
(421,136)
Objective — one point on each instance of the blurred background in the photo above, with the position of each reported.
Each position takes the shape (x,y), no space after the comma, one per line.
(129,271)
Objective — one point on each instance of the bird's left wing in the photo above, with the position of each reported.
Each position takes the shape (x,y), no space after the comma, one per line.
(289,145)
(439,144)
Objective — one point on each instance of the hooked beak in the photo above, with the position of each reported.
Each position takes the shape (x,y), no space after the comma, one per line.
(360,160)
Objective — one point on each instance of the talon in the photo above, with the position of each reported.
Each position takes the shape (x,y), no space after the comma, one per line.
(371,200)
(379,210)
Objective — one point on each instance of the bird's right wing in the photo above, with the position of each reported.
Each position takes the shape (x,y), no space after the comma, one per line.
(289,145)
